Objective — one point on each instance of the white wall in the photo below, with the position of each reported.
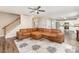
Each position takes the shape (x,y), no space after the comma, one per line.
(42,23)
(50,24)
(46,23)
(26,21)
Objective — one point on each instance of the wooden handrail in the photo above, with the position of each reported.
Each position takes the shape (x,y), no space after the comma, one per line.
(12,22)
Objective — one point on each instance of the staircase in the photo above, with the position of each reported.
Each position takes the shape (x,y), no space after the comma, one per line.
(9,27)
(2,44)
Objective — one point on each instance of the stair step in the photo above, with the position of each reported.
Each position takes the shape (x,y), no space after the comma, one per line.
(2,37)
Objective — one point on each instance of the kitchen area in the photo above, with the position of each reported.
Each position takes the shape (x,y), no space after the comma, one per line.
(69,27)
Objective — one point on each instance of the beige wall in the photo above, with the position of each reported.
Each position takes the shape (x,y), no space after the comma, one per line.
(5,18)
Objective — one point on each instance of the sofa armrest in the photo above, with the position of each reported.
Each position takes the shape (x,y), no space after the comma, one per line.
(61,36)
(19,35)
(60,33)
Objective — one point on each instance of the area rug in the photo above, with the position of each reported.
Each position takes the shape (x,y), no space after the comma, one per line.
(43,46)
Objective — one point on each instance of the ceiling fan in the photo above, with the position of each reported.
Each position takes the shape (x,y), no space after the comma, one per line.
(36,9)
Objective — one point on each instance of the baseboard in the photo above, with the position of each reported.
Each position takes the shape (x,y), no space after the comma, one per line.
(10,36)
(1,35)
(13,38)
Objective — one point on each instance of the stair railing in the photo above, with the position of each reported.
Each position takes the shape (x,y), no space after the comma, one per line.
(8,26)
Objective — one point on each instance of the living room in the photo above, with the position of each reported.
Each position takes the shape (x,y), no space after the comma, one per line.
(39,29)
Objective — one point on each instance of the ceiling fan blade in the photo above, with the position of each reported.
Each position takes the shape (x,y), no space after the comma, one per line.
(37,12)
(42,10)
(38,7)
(31,8)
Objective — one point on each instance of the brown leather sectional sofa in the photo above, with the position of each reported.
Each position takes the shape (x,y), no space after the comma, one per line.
(38,33)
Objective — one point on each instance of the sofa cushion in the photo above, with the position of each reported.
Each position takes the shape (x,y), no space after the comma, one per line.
(29,29)
(26,30)
(41,29)
(55,31)
(50,34)
(25,34)
(34,29)
(36,33)
(47,30)
(23,30)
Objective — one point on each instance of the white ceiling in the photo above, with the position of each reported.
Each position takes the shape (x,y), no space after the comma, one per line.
(52,11)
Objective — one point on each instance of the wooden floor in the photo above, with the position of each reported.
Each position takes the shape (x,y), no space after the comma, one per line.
(8,45)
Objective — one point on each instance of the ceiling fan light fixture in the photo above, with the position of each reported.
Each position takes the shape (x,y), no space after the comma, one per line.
(36,10)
